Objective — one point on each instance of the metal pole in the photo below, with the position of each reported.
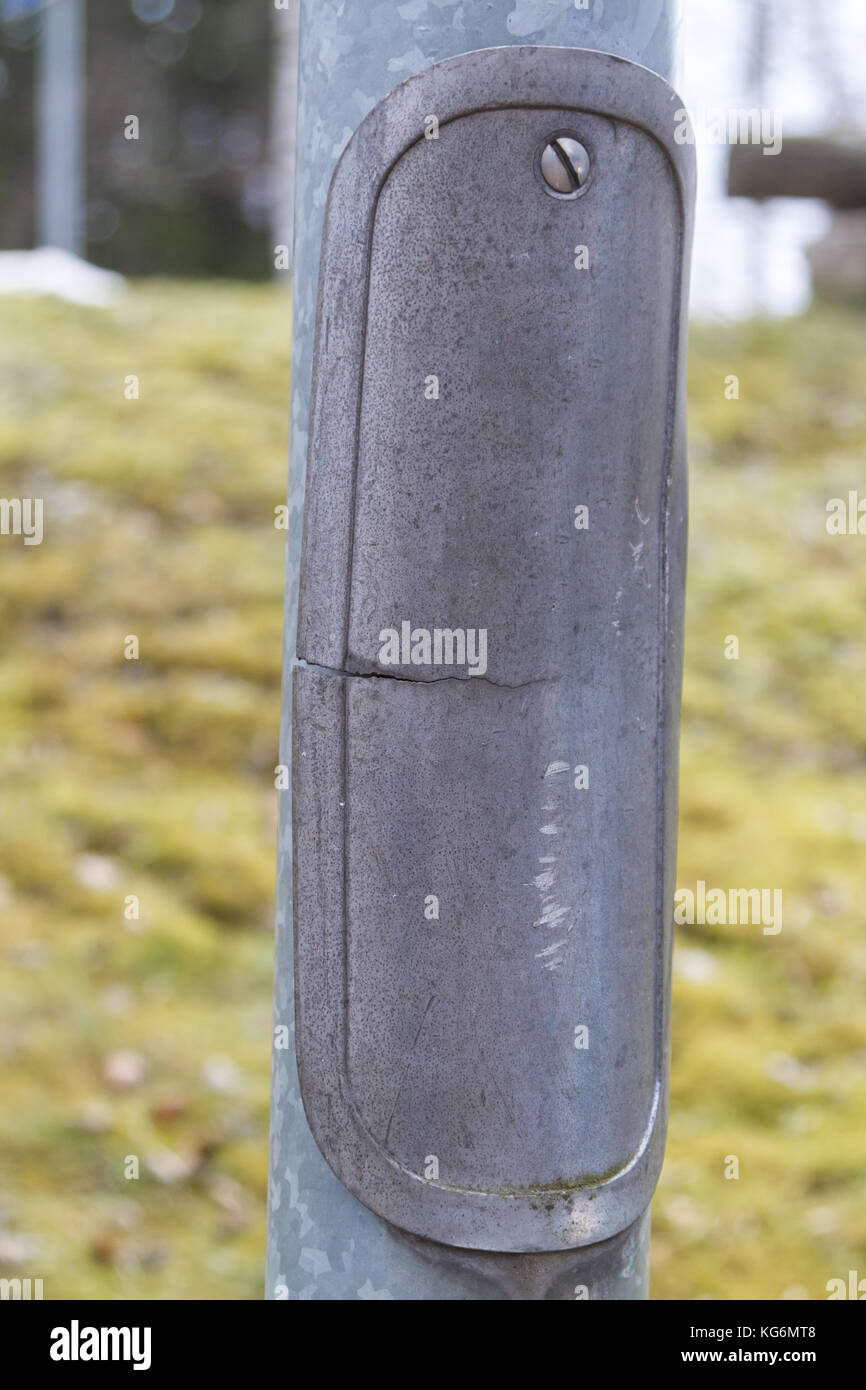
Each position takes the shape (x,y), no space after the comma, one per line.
(756,83)
(323,1243)
(284,107)
(60,128)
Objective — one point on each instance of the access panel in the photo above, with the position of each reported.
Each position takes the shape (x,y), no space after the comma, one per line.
(486,702)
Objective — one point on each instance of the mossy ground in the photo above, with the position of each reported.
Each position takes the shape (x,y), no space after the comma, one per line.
(769,1031)
(151,777)
(155,778)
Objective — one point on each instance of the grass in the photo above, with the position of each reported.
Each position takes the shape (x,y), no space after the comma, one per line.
(151,778)
(769,1034)
(149,1037)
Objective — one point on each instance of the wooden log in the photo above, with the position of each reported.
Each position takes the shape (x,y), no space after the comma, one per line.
(805,167)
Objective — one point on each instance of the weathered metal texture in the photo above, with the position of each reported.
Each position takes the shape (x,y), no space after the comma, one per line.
(494,1076)
(61,88)
(615,1269)
(322,1242)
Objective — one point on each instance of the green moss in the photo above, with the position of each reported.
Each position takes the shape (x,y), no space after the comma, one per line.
(159,522)
(562,1188)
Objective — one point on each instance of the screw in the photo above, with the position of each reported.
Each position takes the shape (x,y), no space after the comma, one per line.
(565,166)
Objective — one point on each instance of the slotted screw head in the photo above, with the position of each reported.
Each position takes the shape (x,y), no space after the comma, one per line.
(565,166)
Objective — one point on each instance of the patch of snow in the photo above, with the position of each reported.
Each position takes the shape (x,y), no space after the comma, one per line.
(48,270)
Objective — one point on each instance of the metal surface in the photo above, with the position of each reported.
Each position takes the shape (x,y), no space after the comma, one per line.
(60,99)
(323,1243)
(283,131)
(443,1069)
(615,1269)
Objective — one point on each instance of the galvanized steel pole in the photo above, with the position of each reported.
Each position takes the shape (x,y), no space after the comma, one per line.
(323,1242)
(60,174)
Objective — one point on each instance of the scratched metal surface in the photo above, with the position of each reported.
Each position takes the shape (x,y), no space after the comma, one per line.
(322,1242)
(460,510)
(439,1066)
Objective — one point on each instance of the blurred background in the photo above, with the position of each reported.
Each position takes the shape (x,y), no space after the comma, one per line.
(137,801)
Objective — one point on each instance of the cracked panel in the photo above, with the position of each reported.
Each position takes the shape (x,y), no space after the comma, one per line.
(460,1044)
(323,1242)
(490,368)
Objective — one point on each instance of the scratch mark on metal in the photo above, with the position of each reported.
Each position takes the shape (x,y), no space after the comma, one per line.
(408,1065)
